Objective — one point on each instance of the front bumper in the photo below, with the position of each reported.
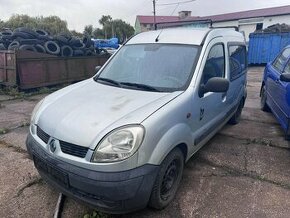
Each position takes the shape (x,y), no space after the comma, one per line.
(112,192)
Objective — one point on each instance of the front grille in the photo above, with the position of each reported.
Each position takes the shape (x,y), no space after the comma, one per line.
(42,135)
(72,149)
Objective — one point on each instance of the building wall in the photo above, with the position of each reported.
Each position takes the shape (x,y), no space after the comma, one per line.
(137,26)
(268,21)
(246,25)
(142,27)
(249,25)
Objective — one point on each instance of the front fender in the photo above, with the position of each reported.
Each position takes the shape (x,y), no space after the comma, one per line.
(178,134)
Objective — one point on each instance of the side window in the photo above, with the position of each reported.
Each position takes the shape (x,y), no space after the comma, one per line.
(287,68)
(280,60)
(237,60)
(215,63)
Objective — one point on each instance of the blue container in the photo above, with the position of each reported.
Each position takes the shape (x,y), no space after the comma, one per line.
(264,47)
(106,43)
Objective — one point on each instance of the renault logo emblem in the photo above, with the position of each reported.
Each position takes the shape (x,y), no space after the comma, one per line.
(52,146)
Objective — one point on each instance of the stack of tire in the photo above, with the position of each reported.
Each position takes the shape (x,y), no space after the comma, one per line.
(64,45)
(276,28)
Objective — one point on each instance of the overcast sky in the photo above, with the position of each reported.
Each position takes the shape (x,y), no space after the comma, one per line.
(79,13)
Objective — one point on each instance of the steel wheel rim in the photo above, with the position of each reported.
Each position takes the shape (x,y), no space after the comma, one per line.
(169,180)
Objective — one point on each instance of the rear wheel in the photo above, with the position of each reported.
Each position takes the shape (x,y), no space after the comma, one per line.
(167,180)
(263,103)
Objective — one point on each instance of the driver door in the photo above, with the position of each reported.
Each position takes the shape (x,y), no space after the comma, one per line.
(210,107)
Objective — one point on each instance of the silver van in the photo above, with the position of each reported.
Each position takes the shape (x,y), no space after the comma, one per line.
(119,141)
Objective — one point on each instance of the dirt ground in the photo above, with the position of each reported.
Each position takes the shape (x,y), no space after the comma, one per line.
(244,171)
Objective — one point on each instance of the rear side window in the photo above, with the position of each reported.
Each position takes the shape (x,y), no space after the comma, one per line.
(215,63)
(237,60)
(281,59)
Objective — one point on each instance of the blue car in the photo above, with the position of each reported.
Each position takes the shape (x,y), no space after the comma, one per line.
(275,90)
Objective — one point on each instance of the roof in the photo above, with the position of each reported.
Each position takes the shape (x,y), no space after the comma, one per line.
(194,36)
(174,35)
(265,12)
(159,19)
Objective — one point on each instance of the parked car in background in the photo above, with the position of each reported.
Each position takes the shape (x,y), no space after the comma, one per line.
(119,141)
(275,89)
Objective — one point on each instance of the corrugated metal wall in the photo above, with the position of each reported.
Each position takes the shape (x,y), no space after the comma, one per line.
(264,47)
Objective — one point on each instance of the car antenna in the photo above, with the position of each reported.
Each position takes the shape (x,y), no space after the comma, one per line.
(157,38)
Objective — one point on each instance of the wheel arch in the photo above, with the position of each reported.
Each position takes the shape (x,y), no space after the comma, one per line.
(179,136)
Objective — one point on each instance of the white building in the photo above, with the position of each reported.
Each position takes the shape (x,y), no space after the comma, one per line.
(247,21)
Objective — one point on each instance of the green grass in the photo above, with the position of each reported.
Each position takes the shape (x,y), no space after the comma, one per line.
(96,214)
(3,131)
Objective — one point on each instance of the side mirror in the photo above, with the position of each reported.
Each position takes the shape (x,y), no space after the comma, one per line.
(97,68)
(215,84)
(285,77)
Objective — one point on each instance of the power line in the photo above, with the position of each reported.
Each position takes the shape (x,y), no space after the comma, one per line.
(176,3)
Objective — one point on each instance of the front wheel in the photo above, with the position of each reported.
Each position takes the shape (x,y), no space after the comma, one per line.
(263,103)
(167,180)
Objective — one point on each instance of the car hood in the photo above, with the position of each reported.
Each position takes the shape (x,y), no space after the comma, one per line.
(84,112)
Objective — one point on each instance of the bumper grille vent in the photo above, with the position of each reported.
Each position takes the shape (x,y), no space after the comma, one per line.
(42,135)
(72,149)
(67,148)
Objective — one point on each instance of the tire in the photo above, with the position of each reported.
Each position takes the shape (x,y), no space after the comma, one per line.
(73,41)
(27,48)
(29,41)
(2,47)
(6,37)
(87,41)
(263,102)
(28,31)
(167,180)
(6,33)
(79,45)
(66,51)
(61,40)
(20,35)
(39,48)
(52,47)
(287,137)
(89,52)
(14,45)
(235,119)
(78,52)
(41,32)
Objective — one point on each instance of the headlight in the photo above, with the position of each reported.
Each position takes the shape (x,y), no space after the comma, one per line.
(32,120)
(119,144)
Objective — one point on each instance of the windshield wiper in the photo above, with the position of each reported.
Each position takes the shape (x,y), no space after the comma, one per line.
(141,86)
(110,81)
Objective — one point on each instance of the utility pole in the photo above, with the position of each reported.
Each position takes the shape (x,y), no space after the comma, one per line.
(154,13)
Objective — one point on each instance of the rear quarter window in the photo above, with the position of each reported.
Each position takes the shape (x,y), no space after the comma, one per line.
(281,59)
(237,60)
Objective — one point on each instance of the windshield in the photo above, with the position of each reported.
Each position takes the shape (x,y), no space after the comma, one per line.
(151,67)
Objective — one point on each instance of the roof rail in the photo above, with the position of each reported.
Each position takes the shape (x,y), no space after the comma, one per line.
(227,27)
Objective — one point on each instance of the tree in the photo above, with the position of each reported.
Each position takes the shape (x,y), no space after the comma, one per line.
(105,19)
(122,30)
(76,34)
(89,30)
(52,24)
(113,28)
(98,33)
